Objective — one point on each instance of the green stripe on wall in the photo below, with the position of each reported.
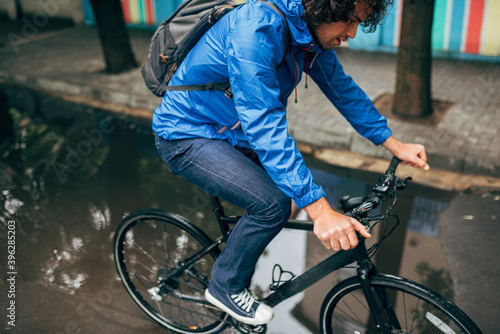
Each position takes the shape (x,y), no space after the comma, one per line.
(439,24)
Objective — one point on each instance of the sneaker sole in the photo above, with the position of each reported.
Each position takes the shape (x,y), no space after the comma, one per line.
(249,321)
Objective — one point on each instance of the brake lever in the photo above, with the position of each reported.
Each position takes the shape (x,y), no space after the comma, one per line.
(402,184)
(366,224)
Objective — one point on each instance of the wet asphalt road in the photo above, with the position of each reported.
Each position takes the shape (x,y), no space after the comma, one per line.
(469,236)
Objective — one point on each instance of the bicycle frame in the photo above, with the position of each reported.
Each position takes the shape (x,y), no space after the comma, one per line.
(313,275)
(338,260)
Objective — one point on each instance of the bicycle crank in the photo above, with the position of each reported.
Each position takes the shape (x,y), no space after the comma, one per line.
(249,329)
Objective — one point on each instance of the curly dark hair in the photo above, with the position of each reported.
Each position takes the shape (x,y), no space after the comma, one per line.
(317,12)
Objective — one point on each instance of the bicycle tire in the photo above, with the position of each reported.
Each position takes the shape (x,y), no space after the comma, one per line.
(147,245)
(417,308)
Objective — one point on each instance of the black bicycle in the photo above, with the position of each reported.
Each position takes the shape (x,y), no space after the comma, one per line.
(164,262)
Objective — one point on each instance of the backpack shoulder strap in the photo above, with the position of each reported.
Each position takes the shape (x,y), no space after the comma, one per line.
(225,86)
(288,40)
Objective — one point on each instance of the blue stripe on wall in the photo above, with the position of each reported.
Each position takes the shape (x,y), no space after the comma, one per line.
(165,8)
(457,23)
(387,36)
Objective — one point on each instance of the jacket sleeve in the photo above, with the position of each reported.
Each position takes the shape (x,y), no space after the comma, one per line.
(255,50)
(349,98)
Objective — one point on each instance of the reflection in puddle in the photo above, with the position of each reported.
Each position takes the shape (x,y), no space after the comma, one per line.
(424,216)
(62,268)
(100,219)
(68,181)
(11,204)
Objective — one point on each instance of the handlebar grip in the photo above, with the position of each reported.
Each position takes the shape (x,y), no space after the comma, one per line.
(394,164)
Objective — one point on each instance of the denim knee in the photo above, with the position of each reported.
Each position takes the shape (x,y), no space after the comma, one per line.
(280,209)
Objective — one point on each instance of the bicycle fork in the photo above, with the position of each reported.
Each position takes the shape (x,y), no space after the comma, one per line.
(366,270)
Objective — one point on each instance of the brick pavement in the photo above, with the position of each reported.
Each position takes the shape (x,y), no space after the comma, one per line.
(464,141)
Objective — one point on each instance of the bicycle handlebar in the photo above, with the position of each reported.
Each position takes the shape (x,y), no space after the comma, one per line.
(393,165)
(359,208)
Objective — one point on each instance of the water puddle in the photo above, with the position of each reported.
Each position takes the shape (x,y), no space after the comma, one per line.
(69,173)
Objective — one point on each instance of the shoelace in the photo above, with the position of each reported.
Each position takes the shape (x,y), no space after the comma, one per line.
(244,300)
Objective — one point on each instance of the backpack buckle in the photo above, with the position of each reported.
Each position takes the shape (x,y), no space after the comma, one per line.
(164,59)
(219,11)
(228,92)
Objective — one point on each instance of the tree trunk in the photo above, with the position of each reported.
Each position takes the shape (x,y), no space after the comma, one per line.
(6,123)
(413,82)
(114,36)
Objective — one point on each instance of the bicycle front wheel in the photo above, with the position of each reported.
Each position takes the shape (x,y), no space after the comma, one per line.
(405,307)
(149,246)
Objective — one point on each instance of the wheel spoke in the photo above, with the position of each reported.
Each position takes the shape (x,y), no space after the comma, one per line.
(141,241)
(139,276)
(404,308)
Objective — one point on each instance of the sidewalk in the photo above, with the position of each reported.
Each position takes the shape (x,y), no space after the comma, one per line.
(69,62)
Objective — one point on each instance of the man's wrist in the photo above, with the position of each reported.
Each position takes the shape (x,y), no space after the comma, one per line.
(318,208)
(391,144)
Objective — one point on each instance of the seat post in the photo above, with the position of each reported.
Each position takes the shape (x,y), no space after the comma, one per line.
(217,206)
(218,210)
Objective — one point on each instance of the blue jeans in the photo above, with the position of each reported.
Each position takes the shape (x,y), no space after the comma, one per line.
(224,171)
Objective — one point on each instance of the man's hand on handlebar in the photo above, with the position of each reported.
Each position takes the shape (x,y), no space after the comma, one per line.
(409,154)
(336,231)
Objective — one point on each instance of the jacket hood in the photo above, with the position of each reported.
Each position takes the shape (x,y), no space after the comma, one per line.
(293,10)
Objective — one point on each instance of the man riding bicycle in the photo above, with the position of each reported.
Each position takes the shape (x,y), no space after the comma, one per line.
(239,148)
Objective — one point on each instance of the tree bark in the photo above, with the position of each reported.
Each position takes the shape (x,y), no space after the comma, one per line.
(6,123)
(413,80)
(113,35)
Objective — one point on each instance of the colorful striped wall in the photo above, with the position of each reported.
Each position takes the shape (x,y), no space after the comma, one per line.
(460,27)
(140,13)
(467,27)
(148,12)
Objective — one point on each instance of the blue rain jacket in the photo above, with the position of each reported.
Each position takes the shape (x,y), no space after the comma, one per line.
(246,48)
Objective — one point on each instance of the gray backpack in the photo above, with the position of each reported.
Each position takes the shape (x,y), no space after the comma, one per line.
(177,35)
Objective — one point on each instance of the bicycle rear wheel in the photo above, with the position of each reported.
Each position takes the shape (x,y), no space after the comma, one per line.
(410,308)
(148,246)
